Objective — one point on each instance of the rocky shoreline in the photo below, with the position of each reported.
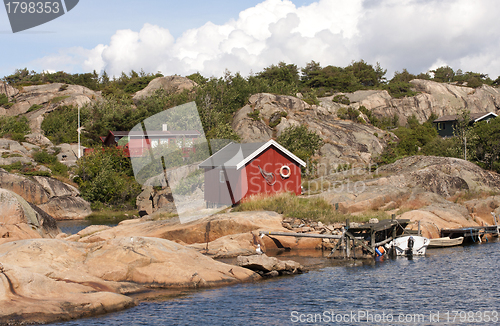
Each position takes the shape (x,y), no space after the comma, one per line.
(48,276)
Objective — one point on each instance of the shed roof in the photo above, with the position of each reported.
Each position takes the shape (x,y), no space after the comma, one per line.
(473,116)
(237,155)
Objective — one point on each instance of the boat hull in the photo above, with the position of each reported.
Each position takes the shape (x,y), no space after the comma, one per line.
(445,242)
(399,246)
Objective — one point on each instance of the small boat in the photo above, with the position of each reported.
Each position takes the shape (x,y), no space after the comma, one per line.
(408,246)
(445,242)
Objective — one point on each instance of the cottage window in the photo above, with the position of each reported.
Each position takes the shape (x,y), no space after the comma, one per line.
(222,178)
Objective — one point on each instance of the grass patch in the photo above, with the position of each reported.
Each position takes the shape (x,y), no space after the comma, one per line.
(34,107)
(312,208)
(462,196)
(59,99)
(105,214)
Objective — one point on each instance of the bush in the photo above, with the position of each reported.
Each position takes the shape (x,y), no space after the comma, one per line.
(301,142)
(400,89)
(34,107)
(106,177)
(61,125)
(3,99)
(349,114)
(255,115)
(14,125)
(43,157)
(342,99)
(189,184)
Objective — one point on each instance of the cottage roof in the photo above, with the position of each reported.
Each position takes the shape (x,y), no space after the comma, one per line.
(153,133)
(237,155)
(473,116)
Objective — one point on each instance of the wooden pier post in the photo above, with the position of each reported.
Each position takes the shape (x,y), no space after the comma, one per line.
(496,223)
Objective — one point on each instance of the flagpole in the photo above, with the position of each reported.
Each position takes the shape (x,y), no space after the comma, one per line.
(79,152)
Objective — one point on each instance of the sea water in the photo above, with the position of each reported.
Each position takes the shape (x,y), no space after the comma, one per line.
(451,286)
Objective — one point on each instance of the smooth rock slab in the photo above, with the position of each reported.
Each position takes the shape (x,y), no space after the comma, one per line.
(27,297)
(268,266)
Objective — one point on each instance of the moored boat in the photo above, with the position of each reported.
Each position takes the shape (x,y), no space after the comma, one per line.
(408,246)
(445,242)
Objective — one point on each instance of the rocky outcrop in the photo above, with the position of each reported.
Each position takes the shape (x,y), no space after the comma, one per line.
(8,90)
(269,266)
(433,98)
(426,189)
(30,190)
(344,141)
(73,280)
(27,297)
(67,208)
(152,201)
(171,84)
(200,231)
(12,152)
(21,220)
(221,236)
(56,198)
(50,97)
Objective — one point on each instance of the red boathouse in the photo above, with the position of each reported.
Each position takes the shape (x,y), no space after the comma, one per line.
(238,171)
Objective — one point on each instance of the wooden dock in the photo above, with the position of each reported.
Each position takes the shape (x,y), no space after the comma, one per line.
(368,236)
(471,234)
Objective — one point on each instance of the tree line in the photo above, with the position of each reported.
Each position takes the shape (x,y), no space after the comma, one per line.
(218,98)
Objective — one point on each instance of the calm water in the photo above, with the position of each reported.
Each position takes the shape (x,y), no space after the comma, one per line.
(460,283)
(75,226)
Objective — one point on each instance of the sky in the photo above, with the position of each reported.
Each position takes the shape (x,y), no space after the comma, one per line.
(212,37)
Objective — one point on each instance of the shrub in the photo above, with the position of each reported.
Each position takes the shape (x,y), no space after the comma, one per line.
(44,157)
(106,178)
(189,184)
(342,99)
(255,115)
(34,107)
(276,118)
(301,142)
(3,99)
(14,125)
(348,114)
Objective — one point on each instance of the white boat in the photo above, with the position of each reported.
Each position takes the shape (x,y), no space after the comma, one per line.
(445,242)
(402,246)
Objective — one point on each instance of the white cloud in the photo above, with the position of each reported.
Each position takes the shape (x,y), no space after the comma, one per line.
(414,34)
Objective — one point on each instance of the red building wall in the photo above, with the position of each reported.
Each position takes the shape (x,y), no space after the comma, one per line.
(271,160)
(249,181)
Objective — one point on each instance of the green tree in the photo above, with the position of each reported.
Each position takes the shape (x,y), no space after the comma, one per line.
(105,177)
(465,136)
(366,75)
(443,74)
(301,142)
(488,142)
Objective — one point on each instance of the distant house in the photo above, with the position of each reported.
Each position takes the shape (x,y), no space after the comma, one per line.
(446,123)
(241,170)
(137,143)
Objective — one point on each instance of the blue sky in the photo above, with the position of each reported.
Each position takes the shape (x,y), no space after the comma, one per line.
(182,37)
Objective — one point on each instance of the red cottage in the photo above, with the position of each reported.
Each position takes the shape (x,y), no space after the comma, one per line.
(137,143)
(241,170)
